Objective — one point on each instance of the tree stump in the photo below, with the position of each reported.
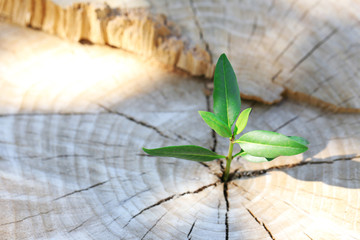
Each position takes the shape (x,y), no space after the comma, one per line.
(74,118)
(305,50)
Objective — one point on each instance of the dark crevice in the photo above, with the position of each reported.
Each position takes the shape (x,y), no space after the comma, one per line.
(308,236)
(307,55)
(243,189)
(268,231)
(192,227)
(153,225)
(255,173)
(66,156)
(227,211)
(218,212)
(107,144)
(78,226)
(127,199)
(286,48)
(261,223)
(255,218)
(144,124)
(322,114)
(274,77)
(145,155)
(213,133)
(197,23)
(205,165)
(286,123)
(321,84)
(253,29)
(174,196)
(25,218)
(82,190)
(85,42)
(307,11)
(135,195)
(178,136)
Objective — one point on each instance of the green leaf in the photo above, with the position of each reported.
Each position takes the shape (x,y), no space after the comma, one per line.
(239,153)
(242,121)
(301,140)
(226,93)
(251,158)
(188,152)
(216,124)
(260,143)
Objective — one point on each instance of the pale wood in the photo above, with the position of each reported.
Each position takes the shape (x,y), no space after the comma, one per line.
(73,121)
(305,49)
(123,24)
(302,49)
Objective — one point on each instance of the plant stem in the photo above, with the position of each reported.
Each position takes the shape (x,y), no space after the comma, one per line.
(228,160)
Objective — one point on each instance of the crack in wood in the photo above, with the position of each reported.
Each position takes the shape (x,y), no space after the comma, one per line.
(321,84)
(308,236)
(287,47)
(253,28)
(307,11)
(261,223)
(107,144)
(273,78)
(304,15)
(78,226)
(197,23)
(225,192)
(64,156)
(282,30)
(178,136)
(213,133)
(322,114)
(208,108)
(218,212)
(189,233)
(25,218)
(127,199)
(174,196)
(205,165)
(135,195)
(256,173)
(153,226)
(286,123)
(144,124)
(316,46)
(81,190)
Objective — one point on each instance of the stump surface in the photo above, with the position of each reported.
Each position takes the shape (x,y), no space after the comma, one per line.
(74,118)
(306,50)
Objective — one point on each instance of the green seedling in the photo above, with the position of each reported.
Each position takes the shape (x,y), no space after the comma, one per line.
(256,146)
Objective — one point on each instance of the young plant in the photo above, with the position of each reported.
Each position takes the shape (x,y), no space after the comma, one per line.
(256,146)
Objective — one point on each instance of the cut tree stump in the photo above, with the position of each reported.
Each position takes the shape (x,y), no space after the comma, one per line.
(75,117)
(302,49)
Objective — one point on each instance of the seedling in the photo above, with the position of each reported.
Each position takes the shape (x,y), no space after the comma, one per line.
(256,146)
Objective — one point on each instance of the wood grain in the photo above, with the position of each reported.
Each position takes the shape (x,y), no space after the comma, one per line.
(305,50)
(74,118)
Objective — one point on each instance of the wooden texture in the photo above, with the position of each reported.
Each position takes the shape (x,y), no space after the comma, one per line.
(74,118)
(305,49)
(126,24)
(302,49)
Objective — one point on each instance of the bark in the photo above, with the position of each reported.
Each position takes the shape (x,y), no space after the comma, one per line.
(74,118)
